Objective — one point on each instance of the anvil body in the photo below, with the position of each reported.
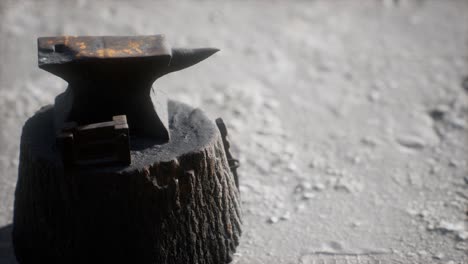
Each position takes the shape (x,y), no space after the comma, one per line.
(110,76)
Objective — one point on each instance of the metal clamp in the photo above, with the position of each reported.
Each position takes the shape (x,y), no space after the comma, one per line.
(232,162)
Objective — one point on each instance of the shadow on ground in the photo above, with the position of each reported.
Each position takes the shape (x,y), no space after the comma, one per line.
(6,248)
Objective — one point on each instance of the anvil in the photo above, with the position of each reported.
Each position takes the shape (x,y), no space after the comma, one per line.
(113,75)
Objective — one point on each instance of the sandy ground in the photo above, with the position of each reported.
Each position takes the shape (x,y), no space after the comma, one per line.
(350,120)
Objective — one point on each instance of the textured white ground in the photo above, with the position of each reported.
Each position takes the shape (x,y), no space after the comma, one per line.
(327,102)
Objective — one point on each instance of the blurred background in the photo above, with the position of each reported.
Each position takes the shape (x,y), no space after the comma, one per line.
(349,117)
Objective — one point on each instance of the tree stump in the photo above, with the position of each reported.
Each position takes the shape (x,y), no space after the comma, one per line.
(176,203)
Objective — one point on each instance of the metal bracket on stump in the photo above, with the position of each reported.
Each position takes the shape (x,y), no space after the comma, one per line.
(95,144)
(233,163)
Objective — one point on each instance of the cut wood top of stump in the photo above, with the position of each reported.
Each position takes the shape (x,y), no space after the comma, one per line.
(191,131)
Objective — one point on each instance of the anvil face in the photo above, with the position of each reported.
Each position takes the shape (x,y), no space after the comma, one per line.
(107,58)
(111,76)
(59,50)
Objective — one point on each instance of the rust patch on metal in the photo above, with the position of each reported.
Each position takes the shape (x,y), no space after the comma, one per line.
(71,48)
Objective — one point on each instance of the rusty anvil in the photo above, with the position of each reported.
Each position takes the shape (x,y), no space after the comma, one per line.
(113,75)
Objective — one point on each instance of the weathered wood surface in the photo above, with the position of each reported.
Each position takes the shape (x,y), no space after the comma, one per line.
(176,203)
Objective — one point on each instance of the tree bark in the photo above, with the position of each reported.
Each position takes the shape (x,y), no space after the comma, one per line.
(176,203)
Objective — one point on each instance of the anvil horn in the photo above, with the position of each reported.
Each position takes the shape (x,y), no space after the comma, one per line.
(184,58)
